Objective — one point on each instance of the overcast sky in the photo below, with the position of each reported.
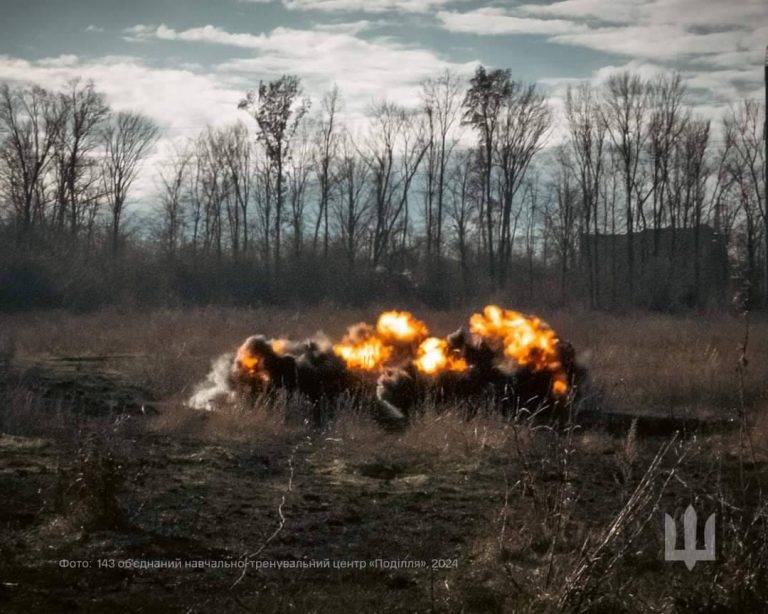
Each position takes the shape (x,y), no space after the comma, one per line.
(187,62)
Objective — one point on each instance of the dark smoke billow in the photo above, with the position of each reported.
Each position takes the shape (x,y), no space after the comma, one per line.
(512,361)
(487,380)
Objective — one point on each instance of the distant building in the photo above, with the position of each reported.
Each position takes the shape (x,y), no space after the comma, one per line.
(674,267)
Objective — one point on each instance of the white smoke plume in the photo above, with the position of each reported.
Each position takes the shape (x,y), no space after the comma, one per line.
(216,388)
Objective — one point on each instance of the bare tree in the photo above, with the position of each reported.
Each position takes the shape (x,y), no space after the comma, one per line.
(695,142)
(300,169)
(610,190)
(127,139)
(215,187)
(325,152)
(174,180)
(625,112)
(524,120)
(466,190)
(742,128)
(442,104)
(667,123)
(31,121)
(85,111)
(278,111)
(195,205)
(351,204)
(533,212)
(394,150)
(264,203)
(587,131)
(483,104)
(561,214)
(237,155)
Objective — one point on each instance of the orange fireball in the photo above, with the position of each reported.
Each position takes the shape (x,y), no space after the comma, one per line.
(400,327)
(527,340)
(366,348)
(279,346)
(434,356)
(250,364)
(361,349)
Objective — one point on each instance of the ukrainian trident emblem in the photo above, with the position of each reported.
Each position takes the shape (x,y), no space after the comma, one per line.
(689,554)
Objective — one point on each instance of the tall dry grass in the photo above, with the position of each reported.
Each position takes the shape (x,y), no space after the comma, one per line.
(640,361)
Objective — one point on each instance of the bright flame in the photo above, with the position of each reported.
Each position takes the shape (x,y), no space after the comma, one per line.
(560,385)
(400,327)
(250,364)
(362,349)
(368,349)
(279,346)
(434,356)
(527,340)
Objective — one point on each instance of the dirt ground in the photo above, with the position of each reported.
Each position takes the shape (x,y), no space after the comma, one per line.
(117,498)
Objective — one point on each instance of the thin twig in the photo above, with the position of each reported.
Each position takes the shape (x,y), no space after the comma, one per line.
(281,521)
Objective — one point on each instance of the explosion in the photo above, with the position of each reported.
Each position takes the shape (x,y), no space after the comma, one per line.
(362,349)
(434,356)
(527,340)
(365,348)
(400,327)
(249,363)
(515,358)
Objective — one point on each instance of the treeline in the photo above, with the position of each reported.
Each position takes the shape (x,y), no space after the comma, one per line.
(480,189)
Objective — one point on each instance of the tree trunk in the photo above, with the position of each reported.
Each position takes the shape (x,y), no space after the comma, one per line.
(278,212)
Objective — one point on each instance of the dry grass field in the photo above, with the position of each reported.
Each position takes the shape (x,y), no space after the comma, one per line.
(249,509)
